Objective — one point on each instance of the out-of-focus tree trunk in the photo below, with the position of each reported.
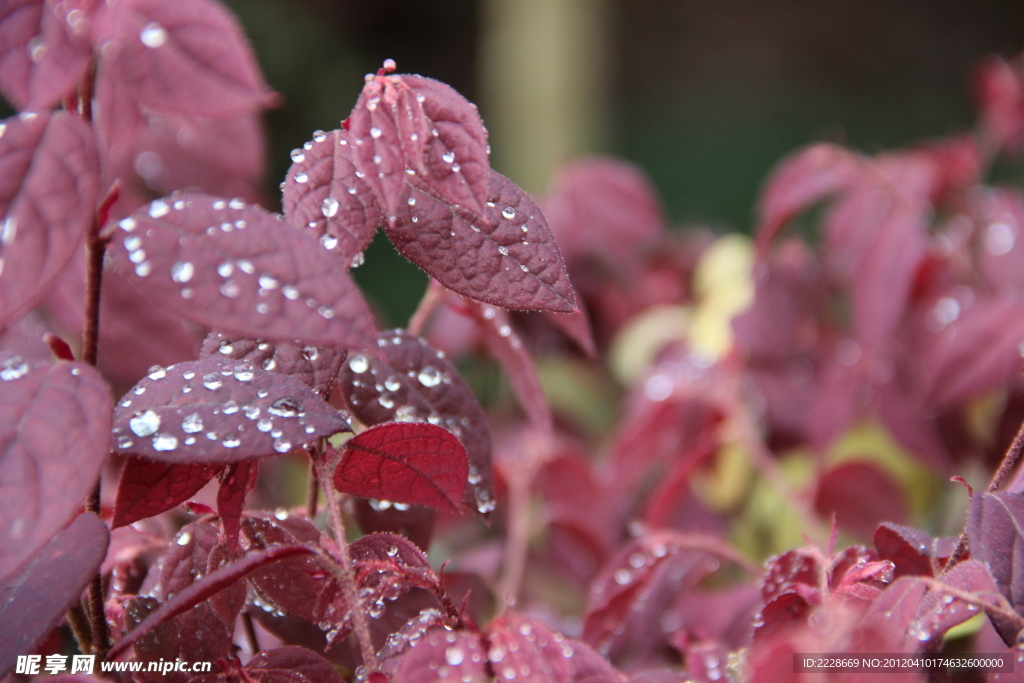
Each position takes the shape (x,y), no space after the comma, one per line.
(544,65)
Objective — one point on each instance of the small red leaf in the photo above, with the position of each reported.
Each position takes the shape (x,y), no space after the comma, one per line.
(148,488)
(188,57)
(218,410)
(861,495)
(54,438)
(411,122)
(316,366)
(324,193)
(410,381)
(460,654)
(49,179)
(34,601)
(290,586)
(913,552)
(43,52)
(240,269)
(405,462)
(507,258)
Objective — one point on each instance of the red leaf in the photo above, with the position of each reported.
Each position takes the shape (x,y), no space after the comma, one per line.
(217,410)
(148,488)
(995,531)
(289,664)
(410,381)
(415,523)
(519,644)
(49,176)
(604,207)
(459,654)
(508,258)
(290,586)
(323,192)
(188,57)
(241,270)
(34,601)
(861,495)
(237,480)
(42,51)
(411,122)
(54,438)
(913,552)
(316,366)
(405,462)
(576,326)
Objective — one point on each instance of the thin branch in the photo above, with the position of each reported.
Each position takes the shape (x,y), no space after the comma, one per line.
(431,299)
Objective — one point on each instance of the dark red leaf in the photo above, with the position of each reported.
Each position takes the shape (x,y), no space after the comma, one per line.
(218,410)
(857,572)
(861,495)
(995,531)
(410,123)
(201,590)
(188,57)
(509,258)
(54,438)
(324,193)
(410,381)
(288,664)
(914,552)
(781,613)
(34,601)
(237,480)
(604,207)
(442,656)
(148,488)
(518,645)
(240,269)
(316,366)
(795,571)
(292,585)
(405,462)
(49,178)
(43,51)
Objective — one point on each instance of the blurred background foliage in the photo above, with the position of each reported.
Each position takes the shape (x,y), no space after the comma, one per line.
(706,96)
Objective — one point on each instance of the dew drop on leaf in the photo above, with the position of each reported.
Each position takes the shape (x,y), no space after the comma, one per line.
(330,207)
(165,442)
(357,260)
(153,36)
(268,281)
(229,408)
(159,208)
(310,352)
(358,363)
(298,156)
(264,425)
(145,424)
(14,367)
(508,212)
(284,407)
(282,446)
(192,424)
(212,381)
(231,441)
(157,372)
(243,373)
(182,271)
(429,376)
(329,241)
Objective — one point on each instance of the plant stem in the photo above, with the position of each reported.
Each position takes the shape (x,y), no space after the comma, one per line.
(431,298)
(312,489)
(325,464)
(250,633)
(516,539)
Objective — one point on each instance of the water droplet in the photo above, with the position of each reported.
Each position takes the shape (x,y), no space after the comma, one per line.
(14,367)
(157,372)
(329,207)
(503,250)
(230,408)
(153,36)
(251,412)
(1000,238)
(429,376)
(282,446)
(165,442)
(269,364)
(386,401)
(454,655)
(328,241)
(622,576)
(230,289)
(131,243)
(357,260)
(192,424)
(143,269)
(284,407)
(124,442)
(505,330)
(212,381)
(184,538)
(246,266)
(474,476)
(231,441)
(265,425)
(523,268)
(456,168)
(182,271)
(297,156)
(392,384)
(145,424)
(319,135)
(301,177)
(310,352)
(268,281)
(326,312)
(158,208)
(137,256)
(223,347)
(490,312)
(358,363)
(448,157)
(374,132)
(225,269)
(508,212)
(290,292)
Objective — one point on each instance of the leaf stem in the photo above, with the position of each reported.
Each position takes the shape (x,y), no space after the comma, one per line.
(325,464)
(312,489)
(431,299)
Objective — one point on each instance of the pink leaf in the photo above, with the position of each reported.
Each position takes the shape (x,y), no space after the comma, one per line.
(405,462)
(411,122)
(188,57)
(520,644)
(323,192)
(239,269)
(509,258)
(34,601)
(409,381)
(42,51)
(218,410)
(54,438)
(148,488)
(313,365)
(49,176)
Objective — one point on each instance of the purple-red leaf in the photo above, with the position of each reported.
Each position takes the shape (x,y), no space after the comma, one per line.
(49,179)
(442,656)
(995,531)
(240,269)
(289,664)
(54,437)
(43,51)
(405,462)
(34,601)
(148,488)
(411,123)
(861,495)
(322,192)
(508,258)
(913,552)
(218,410)
(188,57)
(290,586)
(410,381)
(316,366)
(519,644)
(237,480)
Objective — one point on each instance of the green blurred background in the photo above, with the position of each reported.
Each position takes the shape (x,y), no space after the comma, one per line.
(705,95)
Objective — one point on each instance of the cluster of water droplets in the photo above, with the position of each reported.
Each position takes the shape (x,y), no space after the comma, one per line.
(13,367)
